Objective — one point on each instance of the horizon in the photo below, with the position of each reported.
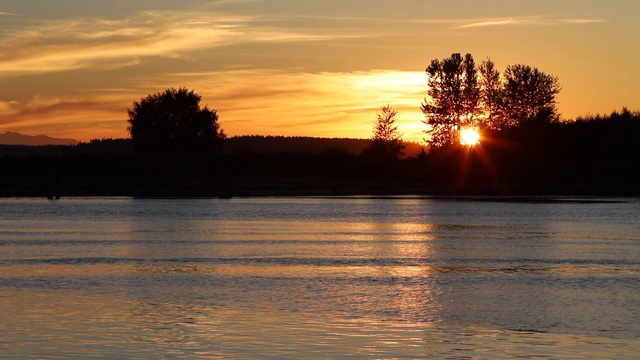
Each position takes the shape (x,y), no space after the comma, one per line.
(228,137)
(285,68)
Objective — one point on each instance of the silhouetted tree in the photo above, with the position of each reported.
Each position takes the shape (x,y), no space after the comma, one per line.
(471,93)
(386,142)
(529,95)
(454,98)
(174,121)
(491,85)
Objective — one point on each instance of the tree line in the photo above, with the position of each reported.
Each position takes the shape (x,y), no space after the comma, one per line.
(515,111)
(461,95)
(465,96)
(595,155)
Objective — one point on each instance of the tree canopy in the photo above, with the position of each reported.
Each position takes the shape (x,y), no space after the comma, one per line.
(461,96)
(529,95)
(454,93)
(491,87)
(174,121)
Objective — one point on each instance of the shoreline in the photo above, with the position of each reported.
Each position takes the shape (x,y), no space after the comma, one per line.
(564,197)
(210,187)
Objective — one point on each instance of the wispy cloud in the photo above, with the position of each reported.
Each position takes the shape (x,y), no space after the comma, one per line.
(535,20)
(457,23)
(65,117)
(584,21)
(99,44)
(227,2)
(8,107)
(497,22)
(102,43)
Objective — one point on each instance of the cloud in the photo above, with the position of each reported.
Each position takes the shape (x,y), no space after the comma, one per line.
(457,23)
(227,2)
(71,45)
(497,22)
(46,107)
(81,118)
(105,44)
(540,21)
(584,21)
(8,106)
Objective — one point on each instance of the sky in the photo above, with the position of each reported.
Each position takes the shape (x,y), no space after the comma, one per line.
(72,68)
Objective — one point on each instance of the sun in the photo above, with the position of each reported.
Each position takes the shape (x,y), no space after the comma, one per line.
(469,137)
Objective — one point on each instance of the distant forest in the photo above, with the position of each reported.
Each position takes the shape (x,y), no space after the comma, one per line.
(596,155)
(236,144)
(112,167)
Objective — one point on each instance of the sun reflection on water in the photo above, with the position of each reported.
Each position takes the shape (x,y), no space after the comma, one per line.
(322,278)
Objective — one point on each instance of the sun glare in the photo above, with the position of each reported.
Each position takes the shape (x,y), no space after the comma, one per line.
(469,137)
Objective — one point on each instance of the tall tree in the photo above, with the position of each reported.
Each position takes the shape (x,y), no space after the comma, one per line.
(386,142)
(174,121)
(471,93)
(529,95)
(454,98)
(491,87)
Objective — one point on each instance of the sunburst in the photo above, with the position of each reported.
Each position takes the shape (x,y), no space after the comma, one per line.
(469,137)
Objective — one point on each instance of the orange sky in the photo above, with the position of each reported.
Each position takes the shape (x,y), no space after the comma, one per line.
(289,67)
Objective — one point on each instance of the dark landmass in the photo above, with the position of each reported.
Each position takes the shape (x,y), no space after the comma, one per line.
(14,138)
(275,144)
(594,156)
(236,144)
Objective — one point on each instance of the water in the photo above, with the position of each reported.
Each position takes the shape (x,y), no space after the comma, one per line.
(291,278)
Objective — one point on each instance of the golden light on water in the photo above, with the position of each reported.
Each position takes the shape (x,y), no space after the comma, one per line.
(469,137)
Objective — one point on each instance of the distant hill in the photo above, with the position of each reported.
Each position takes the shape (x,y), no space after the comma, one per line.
(14,138)
(275,144)
(96,146)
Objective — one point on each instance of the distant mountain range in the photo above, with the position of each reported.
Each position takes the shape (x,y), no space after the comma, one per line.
(14,138)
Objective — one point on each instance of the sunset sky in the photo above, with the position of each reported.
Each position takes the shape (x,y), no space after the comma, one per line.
(71,68)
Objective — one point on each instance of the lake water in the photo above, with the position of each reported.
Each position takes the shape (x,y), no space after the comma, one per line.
(304,278)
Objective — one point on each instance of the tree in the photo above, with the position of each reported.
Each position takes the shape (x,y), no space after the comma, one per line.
(529,95)
(491,85)
(386,142)
(454,93)
(173,121)
(471,93)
